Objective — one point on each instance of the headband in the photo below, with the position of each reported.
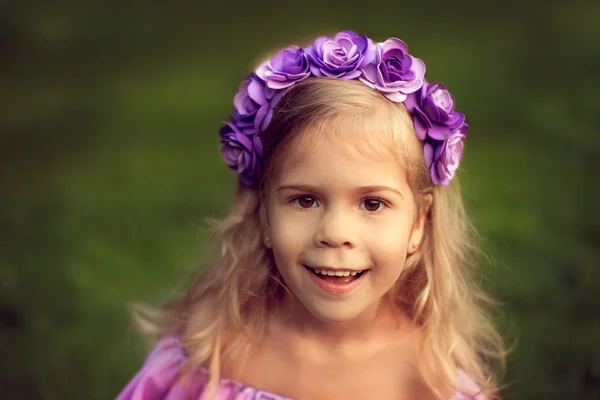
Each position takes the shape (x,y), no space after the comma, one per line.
(386,67)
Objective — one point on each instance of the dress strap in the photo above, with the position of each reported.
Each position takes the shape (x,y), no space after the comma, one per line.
(466,382)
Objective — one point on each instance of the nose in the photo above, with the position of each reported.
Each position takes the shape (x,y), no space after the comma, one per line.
(334,230)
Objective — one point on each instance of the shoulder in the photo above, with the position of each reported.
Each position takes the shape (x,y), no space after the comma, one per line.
(164,377)
(159,378)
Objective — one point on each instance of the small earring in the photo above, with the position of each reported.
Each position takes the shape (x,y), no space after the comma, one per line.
(415,245)
(267,242)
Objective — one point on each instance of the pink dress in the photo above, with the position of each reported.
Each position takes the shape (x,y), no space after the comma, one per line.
(158,380)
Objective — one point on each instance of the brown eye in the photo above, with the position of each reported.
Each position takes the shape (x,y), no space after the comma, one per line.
(305,201)
(372,205)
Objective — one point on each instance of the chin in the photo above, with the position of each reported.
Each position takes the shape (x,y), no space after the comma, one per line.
(335,313)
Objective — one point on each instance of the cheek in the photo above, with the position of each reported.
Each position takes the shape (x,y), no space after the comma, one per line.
(390,245)
(289,233)
(285,218)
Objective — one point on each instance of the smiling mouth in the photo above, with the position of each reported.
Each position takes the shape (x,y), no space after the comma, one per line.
(336,277)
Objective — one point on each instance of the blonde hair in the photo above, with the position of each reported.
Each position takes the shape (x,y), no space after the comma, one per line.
(232,298)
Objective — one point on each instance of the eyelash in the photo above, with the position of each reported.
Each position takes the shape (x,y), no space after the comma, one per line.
(384,204)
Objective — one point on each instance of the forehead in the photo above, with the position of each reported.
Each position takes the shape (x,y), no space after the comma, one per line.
(341,167)
(376,138)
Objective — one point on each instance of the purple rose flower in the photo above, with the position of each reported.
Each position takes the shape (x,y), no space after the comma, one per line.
(286,68)
(433,111)
(394,72)
(386,67)
(340,57)
(242,150)
(254,103)
(443,157)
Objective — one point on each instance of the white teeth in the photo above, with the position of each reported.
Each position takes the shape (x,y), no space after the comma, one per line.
(335,273)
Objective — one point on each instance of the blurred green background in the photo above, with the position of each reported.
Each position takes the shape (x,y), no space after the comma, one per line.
(109,166)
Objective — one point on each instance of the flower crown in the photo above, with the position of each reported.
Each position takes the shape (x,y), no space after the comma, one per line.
(386,67)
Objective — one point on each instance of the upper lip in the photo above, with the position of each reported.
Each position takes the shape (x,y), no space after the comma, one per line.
(326,268)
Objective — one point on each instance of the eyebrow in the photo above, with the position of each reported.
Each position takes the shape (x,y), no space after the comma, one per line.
(361,189)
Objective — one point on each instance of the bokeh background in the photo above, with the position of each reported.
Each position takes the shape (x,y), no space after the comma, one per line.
(109,166)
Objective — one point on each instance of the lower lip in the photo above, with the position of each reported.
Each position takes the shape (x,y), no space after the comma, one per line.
(335,288)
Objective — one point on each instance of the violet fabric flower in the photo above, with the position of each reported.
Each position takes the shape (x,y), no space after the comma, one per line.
(394,72)
(433,112)
(340,57)
(254,103)
(242,150)
(386,67)
(443,157)
(286,68)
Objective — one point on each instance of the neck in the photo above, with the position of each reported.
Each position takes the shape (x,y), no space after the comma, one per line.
(376,322)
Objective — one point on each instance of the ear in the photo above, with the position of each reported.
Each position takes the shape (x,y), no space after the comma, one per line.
(419,225)
(264,225)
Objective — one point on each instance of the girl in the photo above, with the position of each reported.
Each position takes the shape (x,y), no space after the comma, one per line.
(344,268)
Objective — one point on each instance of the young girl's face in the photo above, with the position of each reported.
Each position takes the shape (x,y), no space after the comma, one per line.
(336,210)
